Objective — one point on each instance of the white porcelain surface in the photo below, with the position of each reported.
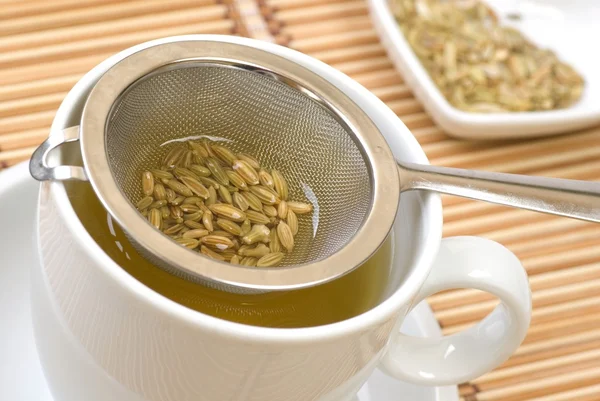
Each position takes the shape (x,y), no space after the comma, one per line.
(567,27)
(21,375)
(467,262)
(144,346)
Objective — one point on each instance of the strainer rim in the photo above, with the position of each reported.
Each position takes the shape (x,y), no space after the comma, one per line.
(361,246)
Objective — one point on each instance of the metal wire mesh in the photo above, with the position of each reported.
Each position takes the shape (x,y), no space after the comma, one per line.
(257,114)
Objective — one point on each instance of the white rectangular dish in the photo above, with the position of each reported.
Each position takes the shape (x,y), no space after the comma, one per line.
(566,27)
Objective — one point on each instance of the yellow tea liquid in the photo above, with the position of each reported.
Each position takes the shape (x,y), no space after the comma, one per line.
(341,299)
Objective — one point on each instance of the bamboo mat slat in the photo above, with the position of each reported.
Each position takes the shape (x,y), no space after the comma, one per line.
(22,42)
(46,46)
(105,11)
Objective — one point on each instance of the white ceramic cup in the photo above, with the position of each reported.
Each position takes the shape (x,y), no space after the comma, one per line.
(102,335)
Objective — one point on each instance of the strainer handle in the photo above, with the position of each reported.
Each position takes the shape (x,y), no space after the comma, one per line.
(40,168)
(569,198)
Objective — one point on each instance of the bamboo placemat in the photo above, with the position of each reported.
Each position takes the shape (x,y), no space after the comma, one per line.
(46,46)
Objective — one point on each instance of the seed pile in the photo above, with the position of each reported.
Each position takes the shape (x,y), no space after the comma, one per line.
(480,66)
(222,204)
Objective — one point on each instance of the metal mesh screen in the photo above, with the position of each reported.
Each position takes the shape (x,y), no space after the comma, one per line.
(257,114)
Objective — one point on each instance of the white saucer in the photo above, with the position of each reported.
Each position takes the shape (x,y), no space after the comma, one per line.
(21,376)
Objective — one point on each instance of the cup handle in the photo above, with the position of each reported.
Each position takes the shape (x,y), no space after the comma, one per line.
(466,262)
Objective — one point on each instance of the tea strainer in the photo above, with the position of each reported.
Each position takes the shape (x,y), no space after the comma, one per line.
(291,119)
